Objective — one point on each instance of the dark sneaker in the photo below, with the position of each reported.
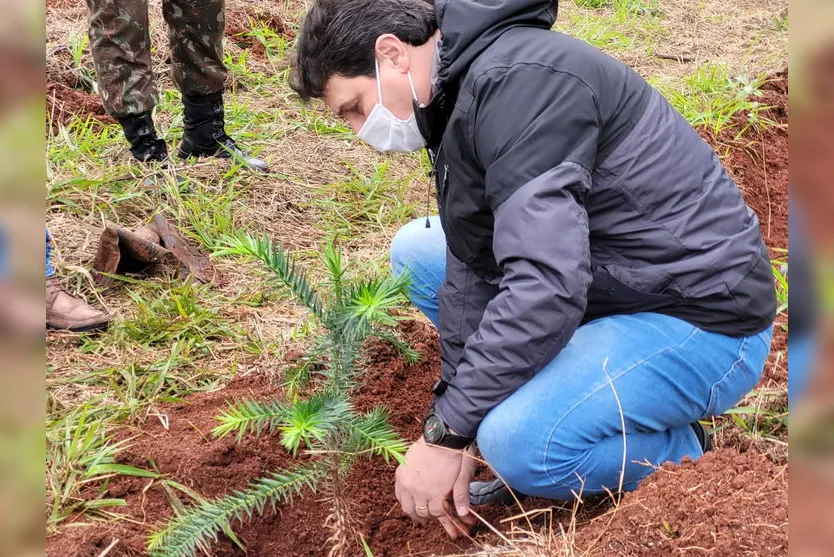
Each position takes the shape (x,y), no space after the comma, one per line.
(702,435)
(496,491)
(140,132)
(205,135)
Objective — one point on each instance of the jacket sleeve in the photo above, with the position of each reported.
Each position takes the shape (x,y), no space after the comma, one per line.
(463,297)
(536,144)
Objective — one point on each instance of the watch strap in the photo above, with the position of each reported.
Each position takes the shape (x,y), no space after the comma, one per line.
(452,441)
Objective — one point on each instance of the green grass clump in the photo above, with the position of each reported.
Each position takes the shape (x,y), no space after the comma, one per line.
(762,414)
(167,316)
(365,203)
(611,25)
(712,98)
(80,452)
(780,276)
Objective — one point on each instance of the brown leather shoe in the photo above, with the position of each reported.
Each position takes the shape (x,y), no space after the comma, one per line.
(65,312)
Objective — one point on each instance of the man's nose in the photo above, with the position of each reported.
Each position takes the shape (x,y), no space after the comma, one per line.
(356,123)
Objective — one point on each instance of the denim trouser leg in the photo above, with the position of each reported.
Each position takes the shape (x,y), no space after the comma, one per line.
(565,423)
(421,251)
(49,269)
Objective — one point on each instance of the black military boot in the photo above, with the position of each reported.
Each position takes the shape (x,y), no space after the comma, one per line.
(205,133)
(141,134)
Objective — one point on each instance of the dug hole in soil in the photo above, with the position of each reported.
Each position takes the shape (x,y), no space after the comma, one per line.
(725,504)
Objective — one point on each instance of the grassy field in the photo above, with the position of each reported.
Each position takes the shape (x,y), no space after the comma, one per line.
(172,339)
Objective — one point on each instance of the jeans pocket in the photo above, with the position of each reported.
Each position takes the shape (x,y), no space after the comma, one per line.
(740,379)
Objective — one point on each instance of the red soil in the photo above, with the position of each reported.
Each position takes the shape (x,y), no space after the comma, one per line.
(63,103)
(730,503)
(186,452)
(725,504)
(758,161)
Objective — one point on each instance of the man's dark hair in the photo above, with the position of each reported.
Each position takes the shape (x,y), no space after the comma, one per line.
(338,38)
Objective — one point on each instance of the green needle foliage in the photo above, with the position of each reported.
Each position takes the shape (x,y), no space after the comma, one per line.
(184,534)
(279,262)
(324,423)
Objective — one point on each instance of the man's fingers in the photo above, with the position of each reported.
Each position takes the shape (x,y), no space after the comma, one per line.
(460,494)
(416,512)
(421,509)
(436,508)
(468,520)
(407,503)
(462,525)
(405,499)
(447,524)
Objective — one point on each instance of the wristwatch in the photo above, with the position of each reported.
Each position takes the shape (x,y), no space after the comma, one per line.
(436,432)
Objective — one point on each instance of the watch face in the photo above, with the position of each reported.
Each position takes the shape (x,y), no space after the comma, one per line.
(433,429)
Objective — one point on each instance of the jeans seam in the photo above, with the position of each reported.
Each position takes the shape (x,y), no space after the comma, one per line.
(739,359)
(694,332)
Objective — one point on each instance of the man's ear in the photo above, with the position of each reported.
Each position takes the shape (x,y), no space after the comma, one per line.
(391,50)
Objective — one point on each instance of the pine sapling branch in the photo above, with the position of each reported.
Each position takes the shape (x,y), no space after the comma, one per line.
(253,416)
(411,355)
(201,524)
(277,260)
(372,434)
(332,257)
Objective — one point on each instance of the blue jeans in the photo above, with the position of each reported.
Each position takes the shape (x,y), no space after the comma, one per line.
(49,269)
(561,433)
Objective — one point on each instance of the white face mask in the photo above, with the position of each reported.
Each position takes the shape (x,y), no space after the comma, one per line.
(385,132)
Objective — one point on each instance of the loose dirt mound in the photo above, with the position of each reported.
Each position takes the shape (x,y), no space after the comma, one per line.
(724,505)
(187,453)
(64,103)
(239,26)
(758,160)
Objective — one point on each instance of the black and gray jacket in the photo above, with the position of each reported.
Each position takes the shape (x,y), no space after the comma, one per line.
(569,189)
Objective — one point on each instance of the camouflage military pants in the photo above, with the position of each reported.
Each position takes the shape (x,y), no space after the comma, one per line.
(121,45)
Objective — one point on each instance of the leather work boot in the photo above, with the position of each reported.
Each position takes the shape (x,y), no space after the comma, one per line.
(192,261)
(141,134)
(150,249)
(205,132)
(122,251)
(68,313)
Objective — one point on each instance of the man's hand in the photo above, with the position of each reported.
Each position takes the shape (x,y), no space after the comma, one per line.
(430,478)
(460,521)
